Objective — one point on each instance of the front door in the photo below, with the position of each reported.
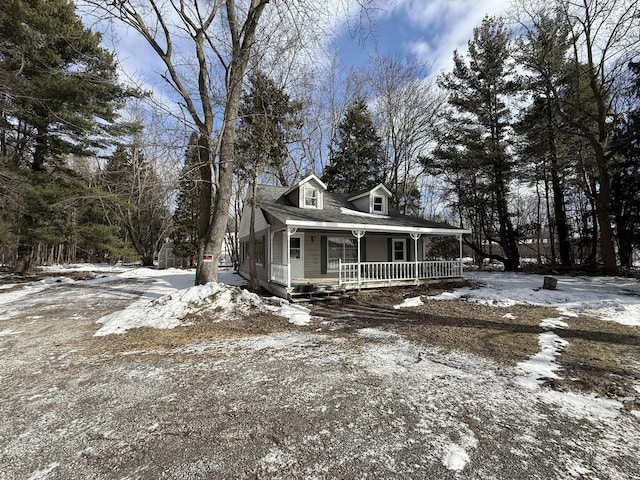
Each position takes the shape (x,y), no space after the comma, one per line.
(296,255)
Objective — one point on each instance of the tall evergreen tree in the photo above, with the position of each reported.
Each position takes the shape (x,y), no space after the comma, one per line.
(476,144)
(60,90)
(543,51)
(59,98)
(187,211)
(356,161)
(268,117)
(625,199)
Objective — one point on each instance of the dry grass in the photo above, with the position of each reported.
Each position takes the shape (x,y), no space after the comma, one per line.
(602,357)
(204,327)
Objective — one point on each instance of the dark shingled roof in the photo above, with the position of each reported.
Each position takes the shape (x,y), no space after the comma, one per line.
(273,201)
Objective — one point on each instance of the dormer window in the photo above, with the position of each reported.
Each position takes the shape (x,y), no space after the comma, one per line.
(310,197)
(307,193)
(378,204)
(374,201)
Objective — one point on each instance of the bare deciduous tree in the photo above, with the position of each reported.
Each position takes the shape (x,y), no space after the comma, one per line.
(222,34)
(170,27)
(406,106)
(605,36)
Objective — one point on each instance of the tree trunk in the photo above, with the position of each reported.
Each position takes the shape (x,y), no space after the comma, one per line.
(507,235)
(205,159)
(242,38)
(562,225)
(603,209)
(40,150)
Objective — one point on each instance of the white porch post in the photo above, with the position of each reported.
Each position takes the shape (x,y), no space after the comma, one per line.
(270,270)
(358,234)
(415,237)
(461,262)
(290,231)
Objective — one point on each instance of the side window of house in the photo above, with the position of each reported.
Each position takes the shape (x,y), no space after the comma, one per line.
(340,248)
(260,250)
(310,197)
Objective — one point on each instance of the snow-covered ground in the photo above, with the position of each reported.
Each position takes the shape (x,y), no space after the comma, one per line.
(611,298)
(386,404)
(170,296)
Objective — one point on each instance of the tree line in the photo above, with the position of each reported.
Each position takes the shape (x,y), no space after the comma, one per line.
(550,111)
(531,140)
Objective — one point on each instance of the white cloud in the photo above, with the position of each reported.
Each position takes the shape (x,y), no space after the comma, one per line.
(446,26)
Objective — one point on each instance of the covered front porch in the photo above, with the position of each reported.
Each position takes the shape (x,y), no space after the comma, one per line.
(304,260)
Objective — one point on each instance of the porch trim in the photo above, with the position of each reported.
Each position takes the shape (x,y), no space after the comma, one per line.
(376,228)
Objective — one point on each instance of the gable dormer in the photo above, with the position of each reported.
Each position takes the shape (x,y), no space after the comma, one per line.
(308,193)
(375,200)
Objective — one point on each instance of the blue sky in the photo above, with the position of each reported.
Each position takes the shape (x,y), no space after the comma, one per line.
(429,29)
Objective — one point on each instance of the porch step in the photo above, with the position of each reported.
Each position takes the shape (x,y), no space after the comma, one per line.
(311,293)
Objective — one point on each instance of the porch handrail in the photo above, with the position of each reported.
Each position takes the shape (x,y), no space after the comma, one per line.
(391,271)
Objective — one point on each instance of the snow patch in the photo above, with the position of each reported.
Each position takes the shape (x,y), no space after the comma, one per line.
(297,314)
(44,473)
(7,332)
(409,302)
(377,333)
(281,341)
(551,323)
(456,458)
(611,298)
(543,364)
(357,213)
(583,406)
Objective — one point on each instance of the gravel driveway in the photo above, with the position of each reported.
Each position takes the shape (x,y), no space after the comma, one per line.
(294,404)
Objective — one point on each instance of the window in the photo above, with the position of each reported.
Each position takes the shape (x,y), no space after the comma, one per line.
(378,204)
(340,248)
(295,248)
(399,250)
(260,247)
(310,197)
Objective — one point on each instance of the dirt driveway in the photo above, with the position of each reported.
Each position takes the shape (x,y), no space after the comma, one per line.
(322,401)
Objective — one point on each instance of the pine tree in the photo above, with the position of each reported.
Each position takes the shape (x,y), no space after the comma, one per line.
(625,201)
(474,149)
(60,89)
(268,117)
(187,211)
(543,51)
(356,161)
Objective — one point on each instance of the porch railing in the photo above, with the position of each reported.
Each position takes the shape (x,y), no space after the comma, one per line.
(371,272)
(392,271)
(279,273)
